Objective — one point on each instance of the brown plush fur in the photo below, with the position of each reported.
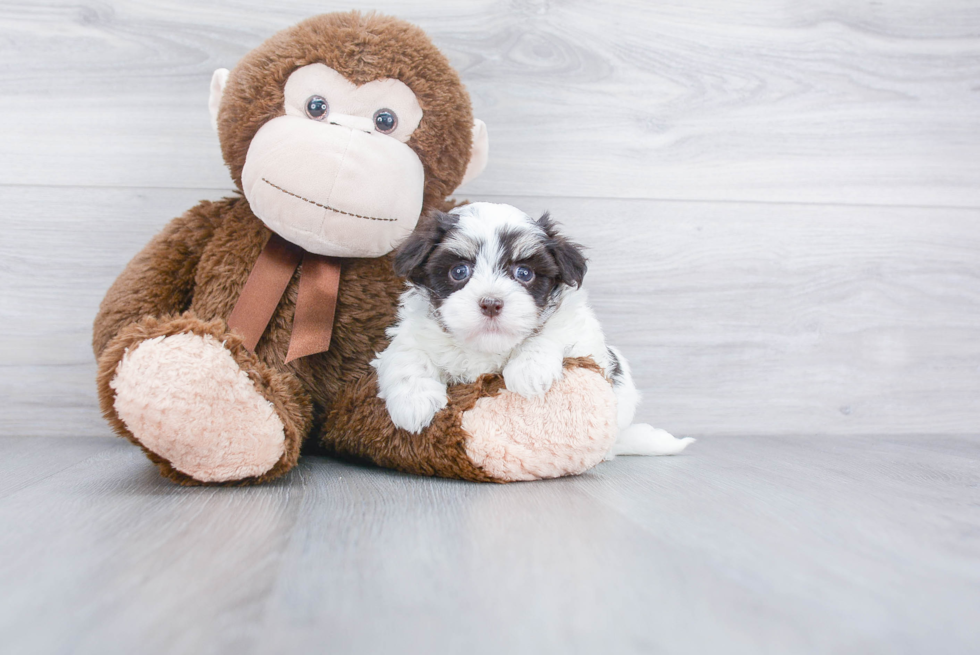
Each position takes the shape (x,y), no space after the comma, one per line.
(282,389)
(189,277)
(160,279)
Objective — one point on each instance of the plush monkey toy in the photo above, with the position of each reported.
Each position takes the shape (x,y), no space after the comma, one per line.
(245,329)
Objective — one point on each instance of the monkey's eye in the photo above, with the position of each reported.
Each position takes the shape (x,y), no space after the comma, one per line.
(385,120)
(317,107)
(459,272)
(523,274)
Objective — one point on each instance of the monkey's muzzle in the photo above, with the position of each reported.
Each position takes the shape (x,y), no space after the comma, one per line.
(333,190)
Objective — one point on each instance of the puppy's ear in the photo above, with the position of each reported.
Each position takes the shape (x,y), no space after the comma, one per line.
(568,254)
(414,252)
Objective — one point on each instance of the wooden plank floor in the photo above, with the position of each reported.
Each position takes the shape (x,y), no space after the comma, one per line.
(741,545)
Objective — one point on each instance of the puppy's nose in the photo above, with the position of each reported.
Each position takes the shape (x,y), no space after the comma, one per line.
(491,306)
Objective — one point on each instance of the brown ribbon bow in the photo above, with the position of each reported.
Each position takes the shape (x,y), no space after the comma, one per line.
(316,300)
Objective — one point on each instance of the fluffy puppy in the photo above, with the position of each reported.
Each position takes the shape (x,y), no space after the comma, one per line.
(490,290)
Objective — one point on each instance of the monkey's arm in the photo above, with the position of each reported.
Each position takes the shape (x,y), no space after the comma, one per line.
(159,280)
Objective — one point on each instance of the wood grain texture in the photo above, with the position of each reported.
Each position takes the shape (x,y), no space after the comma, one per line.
(738,318)
(28,461)
(823,101)
(741,545)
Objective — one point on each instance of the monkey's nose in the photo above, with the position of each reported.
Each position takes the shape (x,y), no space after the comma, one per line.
(491,306)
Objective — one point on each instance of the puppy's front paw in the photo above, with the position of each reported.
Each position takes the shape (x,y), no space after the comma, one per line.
(532,376)
(412,409)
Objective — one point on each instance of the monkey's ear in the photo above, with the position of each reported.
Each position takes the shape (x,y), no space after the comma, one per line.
(414,252)
(479,153)
(218,82)
(568,255)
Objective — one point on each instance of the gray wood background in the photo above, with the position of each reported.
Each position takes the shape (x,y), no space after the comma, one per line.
(781,198)
(782,204)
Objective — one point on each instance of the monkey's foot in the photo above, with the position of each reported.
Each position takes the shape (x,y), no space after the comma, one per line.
(202,412)
(564,432)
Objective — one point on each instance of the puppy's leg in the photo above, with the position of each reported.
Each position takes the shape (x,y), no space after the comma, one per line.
(636,438)
(410,384)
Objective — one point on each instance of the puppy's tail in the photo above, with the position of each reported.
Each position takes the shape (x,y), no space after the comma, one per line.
(643,439)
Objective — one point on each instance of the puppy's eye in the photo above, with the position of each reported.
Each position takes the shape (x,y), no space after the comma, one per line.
(460,272)
(317,107)
(385,121)
(523,274)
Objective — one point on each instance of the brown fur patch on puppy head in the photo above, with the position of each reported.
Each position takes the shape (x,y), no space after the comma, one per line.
(362,47)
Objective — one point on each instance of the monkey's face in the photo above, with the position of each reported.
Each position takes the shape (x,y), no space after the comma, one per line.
(334,174)
(322,128)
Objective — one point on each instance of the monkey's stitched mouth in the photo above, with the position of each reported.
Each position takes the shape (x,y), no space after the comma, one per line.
(333,209)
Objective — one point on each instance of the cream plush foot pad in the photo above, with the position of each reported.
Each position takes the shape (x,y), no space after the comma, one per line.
(565,432)
(185,398)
